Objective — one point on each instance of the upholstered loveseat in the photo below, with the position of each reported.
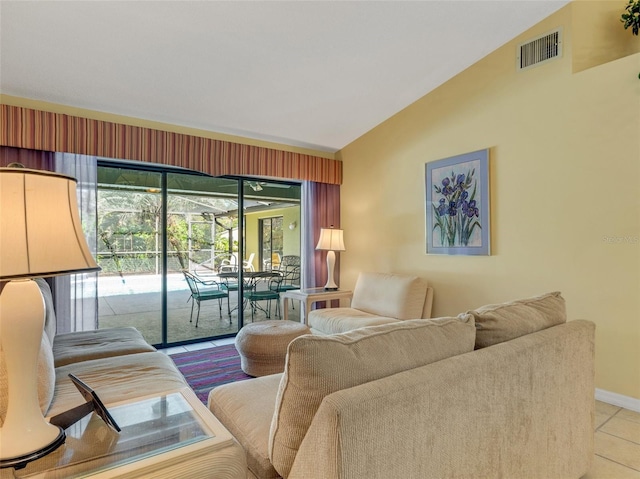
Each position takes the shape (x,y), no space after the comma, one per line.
(378,298)
(119,365)
(503,391)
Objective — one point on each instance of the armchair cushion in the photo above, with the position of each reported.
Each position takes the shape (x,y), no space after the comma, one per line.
(341,320)
(391,295)
(319,365)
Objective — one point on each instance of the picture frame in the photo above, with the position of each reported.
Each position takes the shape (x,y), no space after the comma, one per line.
(457,206)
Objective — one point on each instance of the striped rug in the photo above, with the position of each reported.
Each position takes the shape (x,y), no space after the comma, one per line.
(208,368)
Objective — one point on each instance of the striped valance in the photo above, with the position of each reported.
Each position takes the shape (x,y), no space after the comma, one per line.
(39,130)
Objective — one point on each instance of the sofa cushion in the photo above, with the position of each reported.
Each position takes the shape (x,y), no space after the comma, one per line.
(116,379)
(341,320)
(319,365)
(46,379)
(102,343)
(391,295)
(496,323)
(246,408)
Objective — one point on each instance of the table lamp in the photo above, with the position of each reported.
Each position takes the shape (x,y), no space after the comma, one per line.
(40,235)
(331,240)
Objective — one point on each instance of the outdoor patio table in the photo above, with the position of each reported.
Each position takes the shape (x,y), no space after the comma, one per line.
(250,281)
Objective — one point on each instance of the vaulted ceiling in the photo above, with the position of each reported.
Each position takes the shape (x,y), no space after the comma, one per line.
(315,74)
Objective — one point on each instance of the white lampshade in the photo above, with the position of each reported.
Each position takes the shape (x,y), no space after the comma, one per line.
(331,240)
(40,229)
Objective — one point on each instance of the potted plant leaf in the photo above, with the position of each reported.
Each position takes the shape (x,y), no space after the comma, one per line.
(631,17)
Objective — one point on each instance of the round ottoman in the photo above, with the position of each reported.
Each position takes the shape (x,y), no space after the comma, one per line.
(263,345)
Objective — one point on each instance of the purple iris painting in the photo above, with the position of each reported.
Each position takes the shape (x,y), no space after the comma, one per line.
(456,215)
(457,204)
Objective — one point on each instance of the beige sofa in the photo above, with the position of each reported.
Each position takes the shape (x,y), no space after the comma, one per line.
(119,365)
(503,391)
(378,298)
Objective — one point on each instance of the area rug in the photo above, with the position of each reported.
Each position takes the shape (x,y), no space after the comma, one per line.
(208,368)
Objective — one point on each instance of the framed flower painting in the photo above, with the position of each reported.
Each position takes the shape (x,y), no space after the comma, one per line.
(457,204)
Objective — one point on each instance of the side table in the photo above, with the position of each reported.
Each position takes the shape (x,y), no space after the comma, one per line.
(163,436)
(308,296)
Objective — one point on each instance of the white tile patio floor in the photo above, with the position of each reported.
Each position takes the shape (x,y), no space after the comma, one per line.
(136,302)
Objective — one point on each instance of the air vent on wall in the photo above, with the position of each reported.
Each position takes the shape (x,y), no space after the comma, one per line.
(539,50)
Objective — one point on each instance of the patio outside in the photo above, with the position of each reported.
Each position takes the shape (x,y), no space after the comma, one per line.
(152,223)
(135,300)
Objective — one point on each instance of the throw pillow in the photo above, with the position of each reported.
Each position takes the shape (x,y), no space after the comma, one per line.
(496,323)
(317,366)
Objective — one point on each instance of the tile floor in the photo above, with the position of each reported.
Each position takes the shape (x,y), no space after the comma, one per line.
(198,346)
(617,443)
(617,434)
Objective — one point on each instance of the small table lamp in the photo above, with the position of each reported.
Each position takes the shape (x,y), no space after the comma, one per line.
(331,240)
(40,235)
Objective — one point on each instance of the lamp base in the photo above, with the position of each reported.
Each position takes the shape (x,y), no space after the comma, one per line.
(331,262)
(25,434)
(21,461)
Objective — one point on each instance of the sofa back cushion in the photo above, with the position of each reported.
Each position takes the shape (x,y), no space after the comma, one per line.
(496,323)
(49,311)
(391,295)
(317,366)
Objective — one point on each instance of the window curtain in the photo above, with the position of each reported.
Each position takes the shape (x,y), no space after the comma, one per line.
(40,130)
(33,159)
(321,204)
(76,295)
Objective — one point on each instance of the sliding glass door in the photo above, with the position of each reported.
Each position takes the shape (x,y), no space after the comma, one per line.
(175,247)
(130,250)
(202,239)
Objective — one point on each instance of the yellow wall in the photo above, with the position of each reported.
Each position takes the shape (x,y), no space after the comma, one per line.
(598,33)
(290,238)
(565,192)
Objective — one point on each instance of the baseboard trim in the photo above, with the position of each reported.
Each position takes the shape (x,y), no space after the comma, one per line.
(619,400)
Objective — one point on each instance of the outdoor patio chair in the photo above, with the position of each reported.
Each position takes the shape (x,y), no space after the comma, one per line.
(247,265)
(272,264)
(254,295)
(290,272)
(204,291)
(288,278)
(227,263)
(290,261)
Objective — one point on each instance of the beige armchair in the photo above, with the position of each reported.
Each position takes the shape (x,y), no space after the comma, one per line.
(378,298)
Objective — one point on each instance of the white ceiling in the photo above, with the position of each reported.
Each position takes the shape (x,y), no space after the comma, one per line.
(316,74)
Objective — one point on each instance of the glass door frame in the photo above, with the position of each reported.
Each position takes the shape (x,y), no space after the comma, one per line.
(165,171)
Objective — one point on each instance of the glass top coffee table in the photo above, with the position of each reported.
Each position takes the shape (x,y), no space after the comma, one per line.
(154,430)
